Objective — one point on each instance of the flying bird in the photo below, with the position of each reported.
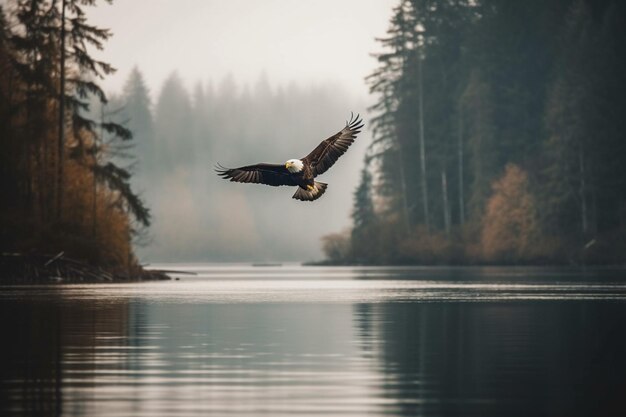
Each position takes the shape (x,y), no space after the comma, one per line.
(300,172)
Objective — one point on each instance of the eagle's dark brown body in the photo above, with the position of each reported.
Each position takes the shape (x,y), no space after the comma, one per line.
(300,172)
(305,177)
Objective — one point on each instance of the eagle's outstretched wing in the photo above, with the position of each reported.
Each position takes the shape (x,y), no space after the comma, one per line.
(270,174)
(327,152)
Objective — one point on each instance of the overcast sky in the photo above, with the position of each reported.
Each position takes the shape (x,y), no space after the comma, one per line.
(306,41)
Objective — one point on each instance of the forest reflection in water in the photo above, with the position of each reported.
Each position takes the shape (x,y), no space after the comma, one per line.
(387,348)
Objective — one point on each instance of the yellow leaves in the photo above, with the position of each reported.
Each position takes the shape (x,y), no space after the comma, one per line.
(510,227)
(96,216)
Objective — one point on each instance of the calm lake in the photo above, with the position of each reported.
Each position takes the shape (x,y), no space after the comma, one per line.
(288,340)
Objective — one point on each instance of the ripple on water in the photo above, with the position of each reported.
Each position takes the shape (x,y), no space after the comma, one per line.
(243,341)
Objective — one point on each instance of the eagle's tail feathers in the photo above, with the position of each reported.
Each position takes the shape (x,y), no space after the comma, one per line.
(319,188)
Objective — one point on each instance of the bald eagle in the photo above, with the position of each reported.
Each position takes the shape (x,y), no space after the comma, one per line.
(300,172)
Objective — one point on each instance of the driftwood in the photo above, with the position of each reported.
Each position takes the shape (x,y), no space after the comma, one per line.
(36,268)
(168,271)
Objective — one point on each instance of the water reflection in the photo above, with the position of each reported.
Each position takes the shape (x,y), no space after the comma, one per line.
(139,350)
(44,342)
(552,359)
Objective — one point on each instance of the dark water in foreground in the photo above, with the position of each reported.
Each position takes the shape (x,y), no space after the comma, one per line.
(244,341)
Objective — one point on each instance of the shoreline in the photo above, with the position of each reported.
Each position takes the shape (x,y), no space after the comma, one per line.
(18,268)
(470,264)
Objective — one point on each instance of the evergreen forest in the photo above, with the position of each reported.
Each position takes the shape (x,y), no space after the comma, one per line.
(62,191)
(494,135)
(498,136)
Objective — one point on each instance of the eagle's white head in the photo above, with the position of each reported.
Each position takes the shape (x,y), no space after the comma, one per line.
(294,165)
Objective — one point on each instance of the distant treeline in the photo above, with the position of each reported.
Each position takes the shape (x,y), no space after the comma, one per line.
(60,189)
(182,129)
(499,136)
(184,132)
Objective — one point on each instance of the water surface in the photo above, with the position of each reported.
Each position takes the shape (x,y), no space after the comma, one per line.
(244,341)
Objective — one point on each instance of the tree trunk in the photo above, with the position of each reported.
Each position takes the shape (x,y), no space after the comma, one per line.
(422,145)
(583,192)
(43,171)
(94,212)
(61,144)
(405,206)
(446,208)
(460,152)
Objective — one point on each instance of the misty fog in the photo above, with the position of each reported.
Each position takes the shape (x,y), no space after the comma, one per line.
(183,134)
(238,88)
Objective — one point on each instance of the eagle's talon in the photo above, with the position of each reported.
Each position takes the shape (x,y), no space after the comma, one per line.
(310,187)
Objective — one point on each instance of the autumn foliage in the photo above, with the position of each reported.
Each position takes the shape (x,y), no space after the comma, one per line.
(59,188)
(510,227)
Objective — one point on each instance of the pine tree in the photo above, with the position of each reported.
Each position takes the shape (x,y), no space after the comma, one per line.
(75,36)
(386,82)
(45,37)
(32,51)
(136,111)
(173,126)
(569,146)
(483,152)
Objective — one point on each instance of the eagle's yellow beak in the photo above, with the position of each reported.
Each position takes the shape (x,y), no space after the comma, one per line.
(287,165)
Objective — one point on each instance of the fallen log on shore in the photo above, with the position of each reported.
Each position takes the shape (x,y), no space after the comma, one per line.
(18,268)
